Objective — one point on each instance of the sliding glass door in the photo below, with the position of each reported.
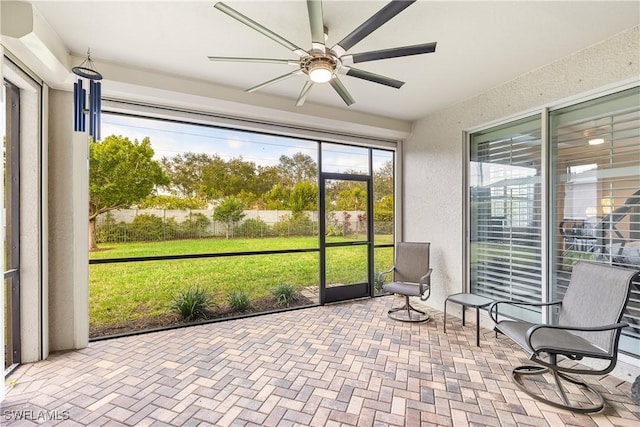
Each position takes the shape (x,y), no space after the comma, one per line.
(505,213)
(530,223)
(596,187)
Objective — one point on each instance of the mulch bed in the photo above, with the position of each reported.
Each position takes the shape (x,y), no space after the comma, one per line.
(170,320)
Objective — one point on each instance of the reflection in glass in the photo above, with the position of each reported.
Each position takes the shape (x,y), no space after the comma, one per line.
(597,193)
(505,209)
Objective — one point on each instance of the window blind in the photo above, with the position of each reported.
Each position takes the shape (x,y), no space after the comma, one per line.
(505,213)
(596,187)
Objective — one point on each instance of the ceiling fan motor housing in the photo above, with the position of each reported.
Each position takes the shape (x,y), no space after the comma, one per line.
(319,67)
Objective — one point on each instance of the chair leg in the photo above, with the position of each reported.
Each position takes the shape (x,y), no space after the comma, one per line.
(521,372)
(563,393)
(421,315)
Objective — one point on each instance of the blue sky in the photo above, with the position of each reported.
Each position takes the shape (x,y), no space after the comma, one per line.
(169,139)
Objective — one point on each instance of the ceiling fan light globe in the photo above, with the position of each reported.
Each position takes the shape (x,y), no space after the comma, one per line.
(320,75)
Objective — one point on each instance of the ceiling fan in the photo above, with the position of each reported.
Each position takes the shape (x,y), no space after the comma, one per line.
(322,64)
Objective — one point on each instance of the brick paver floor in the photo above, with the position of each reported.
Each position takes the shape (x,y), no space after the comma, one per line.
(343,364)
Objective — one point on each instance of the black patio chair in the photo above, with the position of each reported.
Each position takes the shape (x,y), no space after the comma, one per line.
(588,327)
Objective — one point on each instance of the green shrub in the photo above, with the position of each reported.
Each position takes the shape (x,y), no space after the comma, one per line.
(297,225)
(284,293)
(171,229)
(196,225)
(110,231)
(253,228)
(378,281)
(571,257)
(238,300)
(191,303)
(383,227)
(146,228)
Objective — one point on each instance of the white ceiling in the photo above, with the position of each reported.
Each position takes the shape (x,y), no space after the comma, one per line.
(481,44)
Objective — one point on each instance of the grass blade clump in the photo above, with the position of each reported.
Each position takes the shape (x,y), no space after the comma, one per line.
(284,293)
(238,300)
(191,303)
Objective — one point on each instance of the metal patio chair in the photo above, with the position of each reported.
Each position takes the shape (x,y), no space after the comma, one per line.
(589,327)
(412,277)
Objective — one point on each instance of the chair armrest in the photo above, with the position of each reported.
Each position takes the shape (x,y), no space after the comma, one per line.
(426,278)
(494,306)
(382,273)
(535,328)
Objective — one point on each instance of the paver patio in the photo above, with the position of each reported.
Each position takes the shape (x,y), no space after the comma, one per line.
(343,364)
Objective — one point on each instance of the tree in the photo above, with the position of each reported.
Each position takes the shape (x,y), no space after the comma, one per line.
(268,176)
(297,168)
(186,173)
(121,173)
(165,201)
(352,196)
(383,181)
(383,210)
(304,196)
(229,211)
(209,177)
(240,175)
(277,198)
(248,199)
(222,178)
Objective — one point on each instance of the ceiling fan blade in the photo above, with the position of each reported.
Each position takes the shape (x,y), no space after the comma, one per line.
(396,52)
(303,94)
(276,80)
(316,22)
(258,60)
(259,28)
(372,77)
(370,25)
(342,91)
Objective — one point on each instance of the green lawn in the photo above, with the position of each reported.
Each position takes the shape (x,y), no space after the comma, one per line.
(122,292)
(202,246)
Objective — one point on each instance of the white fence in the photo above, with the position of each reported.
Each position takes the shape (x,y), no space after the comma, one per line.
(169,224)
(180,215)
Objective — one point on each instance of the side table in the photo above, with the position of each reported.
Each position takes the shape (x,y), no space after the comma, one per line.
(467,300)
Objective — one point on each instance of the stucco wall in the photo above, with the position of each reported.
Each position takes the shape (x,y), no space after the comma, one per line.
(433,156)
(68,228)
(30,225)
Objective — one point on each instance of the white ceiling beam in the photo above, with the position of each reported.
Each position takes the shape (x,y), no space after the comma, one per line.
(128,83)
(28,36)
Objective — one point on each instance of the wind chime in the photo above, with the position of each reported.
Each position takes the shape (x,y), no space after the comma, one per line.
(87,70)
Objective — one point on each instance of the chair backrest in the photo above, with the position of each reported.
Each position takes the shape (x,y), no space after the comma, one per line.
(597,296)
(412,261)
